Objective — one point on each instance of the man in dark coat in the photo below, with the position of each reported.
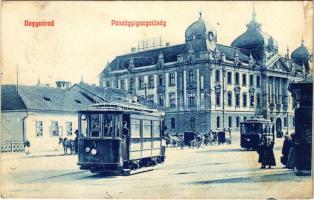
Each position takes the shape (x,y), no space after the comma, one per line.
(76,141)
(266,154)
(286,149)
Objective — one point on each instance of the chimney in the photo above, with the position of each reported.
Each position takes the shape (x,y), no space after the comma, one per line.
(63,84)
(167,44)
(133,49)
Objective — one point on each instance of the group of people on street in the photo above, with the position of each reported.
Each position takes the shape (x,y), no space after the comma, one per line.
(266,153)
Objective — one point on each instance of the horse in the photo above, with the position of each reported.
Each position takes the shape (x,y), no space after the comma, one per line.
(67,144)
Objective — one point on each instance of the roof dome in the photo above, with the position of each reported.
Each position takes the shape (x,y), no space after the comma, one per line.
(200,29)
(201,36)
(255,40)
(301,55)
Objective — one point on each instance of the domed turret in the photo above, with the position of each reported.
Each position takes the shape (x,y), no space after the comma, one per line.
(255,40)
(201,36)
(301,56)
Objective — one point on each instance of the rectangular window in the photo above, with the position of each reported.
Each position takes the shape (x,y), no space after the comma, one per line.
(161,102)
(285,122)
(230,122)
(147,129)
(39,128)
(237,96)
(244,79)
(229,98)
(238,122)
(252,100)
(192,100)
(173,123)
(217,99)
(69,128)
(229,78)
(202,82)
(217,76)
(237,78)
(122,84)
(172,100)
(156,129)
(135,128)
(251,80)
(218,122)
(172,79)
(151,82)
(95,125)
(258,81)
(258,99)
(191,76)
(141,83)
(160,80)
(244,100)
(54,128)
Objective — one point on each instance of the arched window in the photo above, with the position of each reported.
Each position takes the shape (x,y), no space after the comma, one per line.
(229,78)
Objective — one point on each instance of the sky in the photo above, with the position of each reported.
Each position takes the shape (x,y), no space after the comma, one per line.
(83,40)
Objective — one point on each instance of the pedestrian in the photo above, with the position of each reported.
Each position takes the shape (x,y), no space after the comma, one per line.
(76,141)
(291,156)
(266,154)
(27,145)
(286,149)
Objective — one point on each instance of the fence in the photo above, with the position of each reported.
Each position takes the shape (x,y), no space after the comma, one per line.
(12,147)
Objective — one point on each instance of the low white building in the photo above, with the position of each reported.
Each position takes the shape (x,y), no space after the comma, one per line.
(42,115)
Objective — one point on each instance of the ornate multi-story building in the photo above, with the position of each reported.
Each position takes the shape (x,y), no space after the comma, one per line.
(202,85)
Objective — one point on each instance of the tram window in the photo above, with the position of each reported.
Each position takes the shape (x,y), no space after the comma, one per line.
(156,129)
(112,125)
(135,128)
(95,125)
(84,125)
(147,131)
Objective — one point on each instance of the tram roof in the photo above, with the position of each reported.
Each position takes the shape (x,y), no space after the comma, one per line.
(124,107)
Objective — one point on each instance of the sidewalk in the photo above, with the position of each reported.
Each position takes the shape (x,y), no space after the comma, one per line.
(20,155)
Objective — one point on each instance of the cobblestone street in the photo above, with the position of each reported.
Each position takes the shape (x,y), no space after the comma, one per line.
(224,171)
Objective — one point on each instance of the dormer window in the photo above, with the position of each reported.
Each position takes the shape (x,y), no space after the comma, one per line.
(77,101)
(47,98)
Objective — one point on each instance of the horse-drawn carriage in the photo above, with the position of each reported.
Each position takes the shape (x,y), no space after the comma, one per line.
(191,139)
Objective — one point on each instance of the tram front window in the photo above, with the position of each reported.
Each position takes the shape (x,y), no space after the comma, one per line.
(95,125)
(112,125)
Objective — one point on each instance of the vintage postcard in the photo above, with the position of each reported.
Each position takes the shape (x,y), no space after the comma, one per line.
(156,99)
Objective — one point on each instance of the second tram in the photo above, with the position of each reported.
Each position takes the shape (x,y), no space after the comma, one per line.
(253,130)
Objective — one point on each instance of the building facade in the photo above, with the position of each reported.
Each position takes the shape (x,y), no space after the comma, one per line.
(42,115)
(202,85)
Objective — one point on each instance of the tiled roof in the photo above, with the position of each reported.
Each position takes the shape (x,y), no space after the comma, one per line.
(54,99)
(170,54)
(105,94)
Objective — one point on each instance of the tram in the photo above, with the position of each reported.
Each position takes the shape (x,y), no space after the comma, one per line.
(254,130)
(120,137)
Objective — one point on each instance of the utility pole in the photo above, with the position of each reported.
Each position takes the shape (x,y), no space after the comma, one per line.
(223,97)
(17,78)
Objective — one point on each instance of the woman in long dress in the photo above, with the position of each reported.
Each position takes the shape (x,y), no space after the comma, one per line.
(266,154)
